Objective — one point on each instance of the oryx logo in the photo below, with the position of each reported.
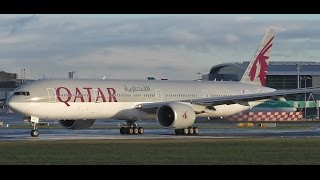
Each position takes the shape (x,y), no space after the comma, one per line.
(260,66)
(185,115)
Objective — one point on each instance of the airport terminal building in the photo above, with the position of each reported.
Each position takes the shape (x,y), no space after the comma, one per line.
(7,84)
(281,75)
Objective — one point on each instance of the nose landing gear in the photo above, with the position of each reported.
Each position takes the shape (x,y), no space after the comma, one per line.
(34,122)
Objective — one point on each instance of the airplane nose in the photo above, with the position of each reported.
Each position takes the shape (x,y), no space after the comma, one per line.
(10,104)
(15,105)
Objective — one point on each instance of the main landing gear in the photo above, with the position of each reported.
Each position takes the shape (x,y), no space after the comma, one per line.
(187,131)
(131,128)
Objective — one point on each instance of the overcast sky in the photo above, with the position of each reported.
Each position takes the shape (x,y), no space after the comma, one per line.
(137,46)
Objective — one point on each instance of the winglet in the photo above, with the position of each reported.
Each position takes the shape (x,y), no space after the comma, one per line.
(256,72)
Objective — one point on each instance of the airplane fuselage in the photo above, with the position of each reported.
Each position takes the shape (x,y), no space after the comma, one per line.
(117,99)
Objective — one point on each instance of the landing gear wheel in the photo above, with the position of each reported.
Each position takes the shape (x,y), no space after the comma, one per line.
(185,131)
(190,130)
(141,130)
(123,130)
(130,130)
(195,130)
(34,133)
(135,130)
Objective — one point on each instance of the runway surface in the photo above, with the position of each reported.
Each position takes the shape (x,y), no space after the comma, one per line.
(8,134)
(66,134)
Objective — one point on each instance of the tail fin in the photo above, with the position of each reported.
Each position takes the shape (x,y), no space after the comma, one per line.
(256,72)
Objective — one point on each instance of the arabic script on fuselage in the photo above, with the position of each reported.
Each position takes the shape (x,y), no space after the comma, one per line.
(134,88)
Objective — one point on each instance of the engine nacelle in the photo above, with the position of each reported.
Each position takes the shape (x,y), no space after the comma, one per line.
(77,124)
(175,115)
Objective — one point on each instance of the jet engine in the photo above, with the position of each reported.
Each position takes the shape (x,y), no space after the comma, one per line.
(77,124)
(175,115)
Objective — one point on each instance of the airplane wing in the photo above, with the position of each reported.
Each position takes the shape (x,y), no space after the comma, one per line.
(237,99)
(252,97)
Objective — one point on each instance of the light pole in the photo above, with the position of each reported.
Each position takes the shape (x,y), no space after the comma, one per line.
(298,75)
(298,83)
(305,95)
(23,75)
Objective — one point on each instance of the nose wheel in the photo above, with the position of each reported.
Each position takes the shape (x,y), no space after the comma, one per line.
(34,133)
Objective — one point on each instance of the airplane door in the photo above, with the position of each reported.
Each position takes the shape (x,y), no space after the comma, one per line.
(51,95)
(205,94)
(158,95)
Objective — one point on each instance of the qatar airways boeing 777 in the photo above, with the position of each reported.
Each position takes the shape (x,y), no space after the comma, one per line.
(174,104)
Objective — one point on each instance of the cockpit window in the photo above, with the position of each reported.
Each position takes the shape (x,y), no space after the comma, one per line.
(24,93)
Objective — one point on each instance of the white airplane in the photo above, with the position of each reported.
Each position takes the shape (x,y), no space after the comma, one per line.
(77,103)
